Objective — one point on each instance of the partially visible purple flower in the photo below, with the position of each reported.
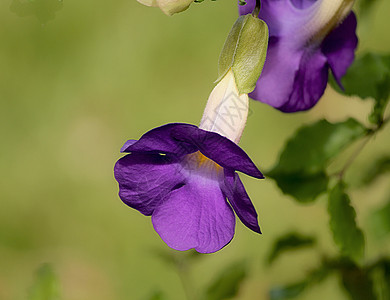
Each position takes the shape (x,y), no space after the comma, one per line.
(183,176)
(307,38)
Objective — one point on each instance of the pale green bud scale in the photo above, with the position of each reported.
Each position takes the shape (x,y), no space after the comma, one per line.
(244,52)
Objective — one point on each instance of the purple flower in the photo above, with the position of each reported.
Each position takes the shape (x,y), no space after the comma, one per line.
(182,176)
(307,38)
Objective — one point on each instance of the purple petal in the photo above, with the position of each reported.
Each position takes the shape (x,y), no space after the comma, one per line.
(276,82)
(295,73)
(309,83)
(339,47)
(247,8)
(144,179)
(195,216)
(302,4)
(128,144)
(219,149)
(240,201)
(159,140)
(283,17)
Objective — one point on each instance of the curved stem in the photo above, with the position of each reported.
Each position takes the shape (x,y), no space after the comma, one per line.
(367,137)
(256,11)
(354,156)
(184,276)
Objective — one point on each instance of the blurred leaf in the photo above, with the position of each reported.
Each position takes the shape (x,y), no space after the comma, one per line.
(384,287)
(46,285)
(300,171)
(165,256)
(289,291)
(369,77)
(378,112)
(379,167)
(228,282)
(358,284)
(295,289)
(365,6)
(157,296)
(343,225)
(171,257)
(380,221)
(381,278)
(304,188)
(289,241)
(44,10)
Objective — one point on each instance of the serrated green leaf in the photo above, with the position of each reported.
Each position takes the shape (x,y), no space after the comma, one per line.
(290,241)
(244,52)
(227,283)
(300,171)
(378,168)
(46,285)
(303,187)
(346,233)
(369,77)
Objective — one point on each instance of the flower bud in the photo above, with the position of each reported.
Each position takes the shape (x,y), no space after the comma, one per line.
(244,52)
(169,7)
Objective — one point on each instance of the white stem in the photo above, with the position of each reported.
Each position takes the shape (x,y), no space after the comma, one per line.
(226,111)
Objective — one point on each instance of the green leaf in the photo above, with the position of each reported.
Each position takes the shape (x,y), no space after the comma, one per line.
(378,111)
(44,10)
(295,289)
(46,285)
(380,274)
(343,225)
(300,171)
(290,241)
(289,291)
(303,187)
(369,77)
(228,282)
(174,257)
(244,52)
(378,168)
(380,221)
(366,6)
(358,284)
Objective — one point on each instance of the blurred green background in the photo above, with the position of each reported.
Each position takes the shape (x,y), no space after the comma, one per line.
(74,88)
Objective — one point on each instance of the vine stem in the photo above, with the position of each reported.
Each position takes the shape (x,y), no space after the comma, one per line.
(182,271)
(368,137)
(349,162)
(256,10)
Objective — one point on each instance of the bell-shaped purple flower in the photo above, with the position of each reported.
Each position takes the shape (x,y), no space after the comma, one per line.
(183,176)
(307,38)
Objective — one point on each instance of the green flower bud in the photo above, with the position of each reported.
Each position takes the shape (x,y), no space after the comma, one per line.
(244,52)
(169,7)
